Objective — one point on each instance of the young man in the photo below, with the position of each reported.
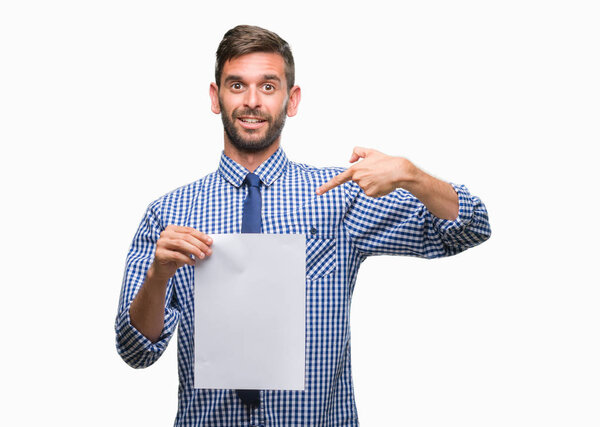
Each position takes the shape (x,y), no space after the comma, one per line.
(380,205)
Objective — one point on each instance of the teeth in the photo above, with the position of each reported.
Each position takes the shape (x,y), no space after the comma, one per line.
(251,120)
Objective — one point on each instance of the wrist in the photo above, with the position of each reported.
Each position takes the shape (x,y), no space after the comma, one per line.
(408,176)
(156,277)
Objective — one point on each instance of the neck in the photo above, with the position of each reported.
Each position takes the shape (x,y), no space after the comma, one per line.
(249,160)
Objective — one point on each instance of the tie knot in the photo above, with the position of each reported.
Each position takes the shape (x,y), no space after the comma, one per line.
(252,180)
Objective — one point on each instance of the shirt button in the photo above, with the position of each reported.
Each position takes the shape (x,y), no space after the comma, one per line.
(313,230)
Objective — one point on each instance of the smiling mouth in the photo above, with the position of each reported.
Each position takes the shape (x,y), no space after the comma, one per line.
(249,120)
(251,123)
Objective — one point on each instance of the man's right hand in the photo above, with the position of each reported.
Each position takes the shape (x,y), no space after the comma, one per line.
(178,246)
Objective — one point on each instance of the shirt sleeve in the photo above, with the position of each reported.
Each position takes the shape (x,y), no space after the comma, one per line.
(135,349)
(399,224)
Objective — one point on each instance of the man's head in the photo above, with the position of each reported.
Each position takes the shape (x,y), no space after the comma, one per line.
(245,39)
(254,89)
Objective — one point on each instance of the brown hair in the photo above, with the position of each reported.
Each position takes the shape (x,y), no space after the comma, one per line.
(245,39)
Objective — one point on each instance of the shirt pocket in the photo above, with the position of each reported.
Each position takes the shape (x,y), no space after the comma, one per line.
(321,256)
(320,226)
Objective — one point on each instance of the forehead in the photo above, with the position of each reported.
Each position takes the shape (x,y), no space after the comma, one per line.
(255,66)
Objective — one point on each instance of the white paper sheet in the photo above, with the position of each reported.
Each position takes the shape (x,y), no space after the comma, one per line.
(250,313)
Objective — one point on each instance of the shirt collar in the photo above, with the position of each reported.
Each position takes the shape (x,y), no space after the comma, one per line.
(268,172)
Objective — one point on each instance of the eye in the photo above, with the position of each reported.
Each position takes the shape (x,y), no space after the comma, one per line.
(269,87)
(236,86)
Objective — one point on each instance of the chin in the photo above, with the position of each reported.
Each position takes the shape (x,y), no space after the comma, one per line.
(251,147)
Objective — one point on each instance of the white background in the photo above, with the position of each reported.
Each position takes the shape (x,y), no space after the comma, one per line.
(104,107)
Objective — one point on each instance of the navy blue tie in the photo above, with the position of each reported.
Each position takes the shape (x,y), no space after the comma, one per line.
(251,223)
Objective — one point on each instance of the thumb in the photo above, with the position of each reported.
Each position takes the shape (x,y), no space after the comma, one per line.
(358,153)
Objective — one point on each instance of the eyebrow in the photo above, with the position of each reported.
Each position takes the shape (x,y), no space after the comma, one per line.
(234,78)
(272,77)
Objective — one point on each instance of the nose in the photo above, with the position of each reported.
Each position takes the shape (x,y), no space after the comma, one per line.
(252,99)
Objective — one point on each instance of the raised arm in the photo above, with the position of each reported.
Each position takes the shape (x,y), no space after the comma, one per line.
(379,174)
(394,208)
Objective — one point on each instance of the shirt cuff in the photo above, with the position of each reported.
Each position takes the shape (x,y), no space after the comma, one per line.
(134,347)
(465,212)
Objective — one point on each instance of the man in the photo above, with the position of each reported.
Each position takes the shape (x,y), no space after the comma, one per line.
(380,205)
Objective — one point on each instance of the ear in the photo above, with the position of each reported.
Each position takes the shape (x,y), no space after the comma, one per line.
(293,101)
(213,91)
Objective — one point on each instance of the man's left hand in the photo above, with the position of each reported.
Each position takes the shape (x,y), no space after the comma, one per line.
(377,174)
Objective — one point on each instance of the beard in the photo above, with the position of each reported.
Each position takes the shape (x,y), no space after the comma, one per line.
(252,145)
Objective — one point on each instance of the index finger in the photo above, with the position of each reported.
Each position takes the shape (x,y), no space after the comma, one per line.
(335,181)
(203,237)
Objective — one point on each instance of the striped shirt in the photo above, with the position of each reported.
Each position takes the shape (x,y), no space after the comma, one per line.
(342,228)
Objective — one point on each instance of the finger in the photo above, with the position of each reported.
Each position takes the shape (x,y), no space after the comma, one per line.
(358,153)
(189,230)
(203,237)
(178,228)
(183,247)
(165,256)
(184,259)
(335,181)
(197,243)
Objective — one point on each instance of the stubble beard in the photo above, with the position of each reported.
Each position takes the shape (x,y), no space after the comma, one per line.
(274,128)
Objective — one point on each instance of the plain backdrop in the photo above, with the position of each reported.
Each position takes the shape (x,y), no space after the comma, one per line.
(104,107)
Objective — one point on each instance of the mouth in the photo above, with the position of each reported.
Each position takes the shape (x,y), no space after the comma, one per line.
(249,122)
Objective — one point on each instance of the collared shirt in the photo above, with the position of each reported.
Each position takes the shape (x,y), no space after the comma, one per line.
(342,228)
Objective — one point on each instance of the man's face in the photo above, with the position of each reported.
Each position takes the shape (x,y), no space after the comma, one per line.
(253,100)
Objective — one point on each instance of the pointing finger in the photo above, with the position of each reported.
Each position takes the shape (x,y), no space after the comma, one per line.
(335,181)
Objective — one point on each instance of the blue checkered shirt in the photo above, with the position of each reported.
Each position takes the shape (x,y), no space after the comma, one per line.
(342,228)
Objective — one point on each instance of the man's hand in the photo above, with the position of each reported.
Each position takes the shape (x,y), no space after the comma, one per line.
(175,248)
(377,174)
